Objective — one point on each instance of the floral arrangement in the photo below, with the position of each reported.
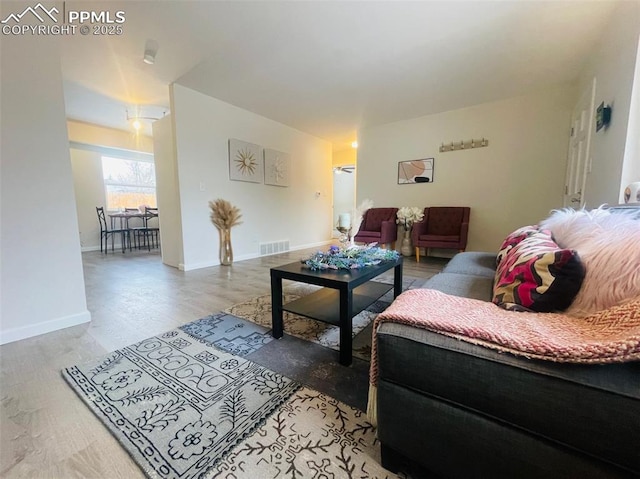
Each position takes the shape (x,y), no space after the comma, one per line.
(224,215)
(407,215)
(353,257)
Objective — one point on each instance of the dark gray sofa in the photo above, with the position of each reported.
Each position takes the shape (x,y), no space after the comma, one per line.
(462,410)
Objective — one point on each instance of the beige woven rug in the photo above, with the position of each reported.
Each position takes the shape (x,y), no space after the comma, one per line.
(312,435)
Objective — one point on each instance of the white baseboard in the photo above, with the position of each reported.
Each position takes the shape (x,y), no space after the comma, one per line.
(24,332)
(192,266)
(312,245)
(116,247)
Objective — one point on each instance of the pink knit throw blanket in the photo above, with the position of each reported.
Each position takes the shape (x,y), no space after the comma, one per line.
(609,336)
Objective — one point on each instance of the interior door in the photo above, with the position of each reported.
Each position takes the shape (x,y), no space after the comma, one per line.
(579,161)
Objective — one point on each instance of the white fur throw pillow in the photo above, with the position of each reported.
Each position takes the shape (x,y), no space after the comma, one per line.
(609,246)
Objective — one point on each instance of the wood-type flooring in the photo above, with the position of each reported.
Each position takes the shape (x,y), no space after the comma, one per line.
(46,431)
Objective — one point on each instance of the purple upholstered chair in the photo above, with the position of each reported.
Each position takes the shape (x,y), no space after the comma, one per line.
(442,227)
(378,226)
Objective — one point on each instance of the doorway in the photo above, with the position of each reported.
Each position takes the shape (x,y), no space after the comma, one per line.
(344,194)
(579,161)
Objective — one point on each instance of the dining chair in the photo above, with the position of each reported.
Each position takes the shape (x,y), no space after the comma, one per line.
(134,223)
(149,234)
(106,232)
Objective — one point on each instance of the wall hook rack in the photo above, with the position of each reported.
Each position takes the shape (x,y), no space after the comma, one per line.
(463,145)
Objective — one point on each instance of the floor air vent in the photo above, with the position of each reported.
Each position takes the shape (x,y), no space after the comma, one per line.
(274,247)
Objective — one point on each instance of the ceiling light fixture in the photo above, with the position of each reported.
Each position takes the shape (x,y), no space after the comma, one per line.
(354,144)
(144,113)
(150,52)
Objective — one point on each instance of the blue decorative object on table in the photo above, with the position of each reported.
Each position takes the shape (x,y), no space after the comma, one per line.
(353,257)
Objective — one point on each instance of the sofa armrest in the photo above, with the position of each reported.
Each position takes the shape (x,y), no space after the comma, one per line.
(464,232)
(418,229)
(388,231)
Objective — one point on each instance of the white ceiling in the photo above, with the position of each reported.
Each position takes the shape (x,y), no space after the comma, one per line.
(329,67)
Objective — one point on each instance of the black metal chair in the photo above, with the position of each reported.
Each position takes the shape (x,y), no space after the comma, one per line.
(138,220)
(106,232)
(149,234)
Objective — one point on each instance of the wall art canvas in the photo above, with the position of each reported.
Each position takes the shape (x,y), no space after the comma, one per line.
(245,161)
(415,171)
(276,167)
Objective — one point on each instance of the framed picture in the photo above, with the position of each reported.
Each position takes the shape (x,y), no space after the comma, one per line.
(415,171)
(245,161)
(276,168)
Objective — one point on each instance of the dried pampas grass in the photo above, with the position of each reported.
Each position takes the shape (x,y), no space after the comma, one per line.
(359,212)
(224,215)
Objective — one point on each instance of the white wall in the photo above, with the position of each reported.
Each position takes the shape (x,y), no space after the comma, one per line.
(613,65)
(514,181)
(203,127)
(168,192)
(89,193)
(42,282)
(345,157)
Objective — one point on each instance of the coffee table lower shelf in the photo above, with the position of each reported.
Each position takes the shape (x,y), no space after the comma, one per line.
(324,304)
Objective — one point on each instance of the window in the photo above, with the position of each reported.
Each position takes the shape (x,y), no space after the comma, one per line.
(129,183)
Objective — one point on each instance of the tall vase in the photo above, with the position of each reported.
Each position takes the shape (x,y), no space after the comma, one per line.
(226,251)
(405,249)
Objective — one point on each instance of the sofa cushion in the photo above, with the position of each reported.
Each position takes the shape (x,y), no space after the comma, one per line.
(452,238)
(376,234)
(463,285)
(571,404)
(475,263)
(464,444)
(536,274)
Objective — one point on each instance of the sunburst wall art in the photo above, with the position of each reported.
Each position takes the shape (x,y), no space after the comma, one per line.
(245,161)
(415,171)
(276,168)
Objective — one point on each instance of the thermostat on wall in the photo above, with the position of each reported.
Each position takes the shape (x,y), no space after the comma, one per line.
(603,116)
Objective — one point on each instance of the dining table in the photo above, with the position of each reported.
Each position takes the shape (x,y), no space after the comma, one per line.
(125,216)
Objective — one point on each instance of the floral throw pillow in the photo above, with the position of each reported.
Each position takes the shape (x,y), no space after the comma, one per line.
(535,274)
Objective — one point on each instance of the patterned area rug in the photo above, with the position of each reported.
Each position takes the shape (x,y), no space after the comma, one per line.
(178,404)
(312,435)
(229,333)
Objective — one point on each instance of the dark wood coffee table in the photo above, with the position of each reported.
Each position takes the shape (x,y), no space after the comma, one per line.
(345,294)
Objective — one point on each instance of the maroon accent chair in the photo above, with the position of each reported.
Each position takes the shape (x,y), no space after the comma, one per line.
(441,227)
(378,226)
